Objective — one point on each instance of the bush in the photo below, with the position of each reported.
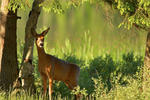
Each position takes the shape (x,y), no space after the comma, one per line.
(101,77)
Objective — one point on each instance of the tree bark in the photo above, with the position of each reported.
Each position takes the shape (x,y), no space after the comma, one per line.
(146,68)
(27,67)
(8,46)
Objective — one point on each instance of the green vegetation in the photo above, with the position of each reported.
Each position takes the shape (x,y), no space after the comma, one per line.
(110,59)
(102,76)
(99,23)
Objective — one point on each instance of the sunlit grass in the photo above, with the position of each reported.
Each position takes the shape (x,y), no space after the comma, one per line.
(107,74)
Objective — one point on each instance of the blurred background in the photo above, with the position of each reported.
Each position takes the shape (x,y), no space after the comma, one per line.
(99,24)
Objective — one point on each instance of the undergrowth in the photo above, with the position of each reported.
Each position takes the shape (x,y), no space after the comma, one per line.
(102,77)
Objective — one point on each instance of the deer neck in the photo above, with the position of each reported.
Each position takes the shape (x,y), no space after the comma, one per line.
(41,52)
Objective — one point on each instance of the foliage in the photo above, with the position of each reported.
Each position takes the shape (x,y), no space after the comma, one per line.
(103,75)
(21,4)
(136,12)
(53,5)
(102,78)
(99,89)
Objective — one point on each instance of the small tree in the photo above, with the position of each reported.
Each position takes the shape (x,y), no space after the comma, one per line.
(27,68)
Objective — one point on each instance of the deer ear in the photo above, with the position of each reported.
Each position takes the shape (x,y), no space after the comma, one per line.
(46,31)
(33,32)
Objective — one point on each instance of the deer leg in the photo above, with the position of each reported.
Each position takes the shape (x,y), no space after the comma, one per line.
(77,96)
(44,78)
(69,85)
(73,85)
(50,88)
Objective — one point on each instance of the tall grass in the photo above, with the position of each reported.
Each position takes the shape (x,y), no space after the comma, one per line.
(101,76)
(105,76)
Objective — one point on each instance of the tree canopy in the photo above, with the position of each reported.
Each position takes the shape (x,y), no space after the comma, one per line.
(135,12)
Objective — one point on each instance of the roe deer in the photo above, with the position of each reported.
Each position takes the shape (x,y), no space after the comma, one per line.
(52,68)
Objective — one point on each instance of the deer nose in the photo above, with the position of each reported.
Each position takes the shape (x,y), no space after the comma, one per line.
(41,44)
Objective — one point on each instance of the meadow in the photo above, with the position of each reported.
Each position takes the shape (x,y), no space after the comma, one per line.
(110,58)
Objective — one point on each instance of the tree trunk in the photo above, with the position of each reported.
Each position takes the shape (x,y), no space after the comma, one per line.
(27,67)
(8,46)
(146,69)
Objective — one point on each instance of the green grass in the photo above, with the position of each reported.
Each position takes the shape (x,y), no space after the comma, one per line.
(106,76)
(101,77)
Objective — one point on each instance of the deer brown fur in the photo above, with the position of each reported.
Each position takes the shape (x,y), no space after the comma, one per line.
(52,68)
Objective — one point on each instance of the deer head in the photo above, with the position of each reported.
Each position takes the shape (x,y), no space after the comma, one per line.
(39,37)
